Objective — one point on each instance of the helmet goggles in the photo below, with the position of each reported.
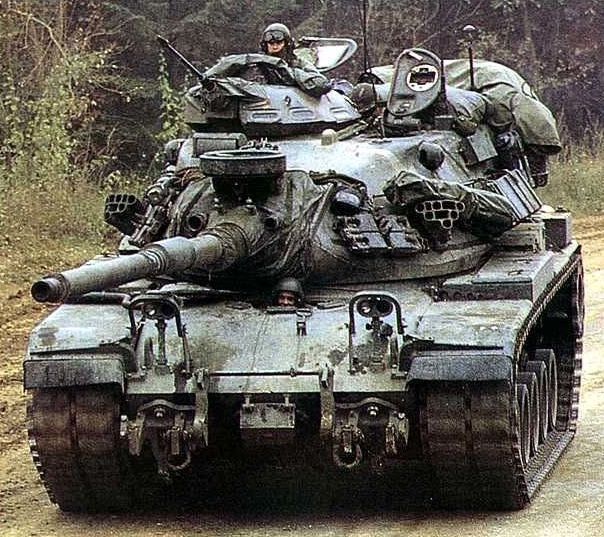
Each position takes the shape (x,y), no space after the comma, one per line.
(274,36)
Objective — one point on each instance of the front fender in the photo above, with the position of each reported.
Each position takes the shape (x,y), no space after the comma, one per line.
(471,365)
(57,370)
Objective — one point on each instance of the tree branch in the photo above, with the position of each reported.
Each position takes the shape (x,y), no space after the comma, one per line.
(31,17)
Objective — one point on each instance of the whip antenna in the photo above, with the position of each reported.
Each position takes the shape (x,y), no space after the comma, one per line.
(366,59)
(469,30)
(364,28)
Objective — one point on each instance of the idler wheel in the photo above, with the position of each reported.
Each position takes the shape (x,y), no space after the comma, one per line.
(243,163)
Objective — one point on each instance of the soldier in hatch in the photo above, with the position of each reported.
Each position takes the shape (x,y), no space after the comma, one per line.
(277,41)
(288,293)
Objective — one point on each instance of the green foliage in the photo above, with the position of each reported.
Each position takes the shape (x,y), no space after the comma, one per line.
(47,106)
(40,142)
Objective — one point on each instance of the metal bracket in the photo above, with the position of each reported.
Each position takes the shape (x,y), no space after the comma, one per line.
(176,433)
(375,305)
(397,432)
(347,452)
(158,415)
(159,308)
(134,433)
(302,315)
(267,423)
(328,405)
(368,429)
(199,429)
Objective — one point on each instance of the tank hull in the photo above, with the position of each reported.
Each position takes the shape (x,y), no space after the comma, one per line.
(462,389)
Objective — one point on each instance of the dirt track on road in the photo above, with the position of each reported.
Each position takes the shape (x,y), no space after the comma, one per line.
(571,503)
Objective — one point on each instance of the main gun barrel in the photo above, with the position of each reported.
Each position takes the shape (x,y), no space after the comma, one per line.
(168,256)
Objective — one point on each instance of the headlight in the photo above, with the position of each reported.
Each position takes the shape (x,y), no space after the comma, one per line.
(374,307)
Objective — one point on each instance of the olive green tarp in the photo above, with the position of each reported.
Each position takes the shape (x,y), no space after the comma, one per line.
(511,101)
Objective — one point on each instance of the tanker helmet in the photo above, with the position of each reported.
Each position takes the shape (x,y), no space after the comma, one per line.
(275,33)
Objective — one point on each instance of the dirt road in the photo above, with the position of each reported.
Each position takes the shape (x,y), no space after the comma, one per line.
(571,503)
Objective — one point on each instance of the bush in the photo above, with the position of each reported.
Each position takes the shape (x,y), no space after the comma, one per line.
(46,104)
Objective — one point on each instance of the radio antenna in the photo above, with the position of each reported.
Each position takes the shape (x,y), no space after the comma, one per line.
(366,58)
(470,30)
(366,63)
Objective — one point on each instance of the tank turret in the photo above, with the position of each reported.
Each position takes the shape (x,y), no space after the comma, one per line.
(248,218)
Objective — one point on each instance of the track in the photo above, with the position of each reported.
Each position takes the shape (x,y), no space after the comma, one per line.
(472,433)
(74,440)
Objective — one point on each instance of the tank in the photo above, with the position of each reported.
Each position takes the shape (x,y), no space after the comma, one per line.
(438,309)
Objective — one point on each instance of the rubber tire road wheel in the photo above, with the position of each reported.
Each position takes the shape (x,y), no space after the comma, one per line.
(538,367)
(548,357)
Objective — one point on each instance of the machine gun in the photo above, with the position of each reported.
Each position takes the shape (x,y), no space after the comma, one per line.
(166,45)
(214,84)
(159,198)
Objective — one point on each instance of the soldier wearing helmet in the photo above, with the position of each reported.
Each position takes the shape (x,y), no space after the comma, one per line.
(288,293)
(277,41)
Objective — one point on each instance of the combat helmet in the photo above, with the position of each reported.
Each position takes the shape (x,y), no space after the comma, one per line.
(292,285)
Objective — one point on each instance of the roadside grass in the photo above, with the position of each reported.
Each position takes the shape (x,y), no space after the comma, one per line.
(42,231)
(577,179)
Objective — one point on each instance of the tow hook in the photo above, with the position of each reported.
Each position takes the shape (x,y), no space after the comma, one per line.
(371,429)
(167,427)
(347,451)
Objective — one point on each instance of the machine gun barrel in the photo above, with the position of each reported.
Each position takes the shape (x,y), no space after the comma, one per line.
(163,257)
(165,44)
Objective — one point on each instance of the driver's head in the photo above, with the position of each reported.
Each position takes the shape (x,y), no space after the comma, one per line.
(276,40)
(288,292)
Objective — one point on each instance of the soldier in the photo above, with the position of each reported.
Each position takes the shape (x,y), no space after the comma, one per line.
(288,293)
(277,41)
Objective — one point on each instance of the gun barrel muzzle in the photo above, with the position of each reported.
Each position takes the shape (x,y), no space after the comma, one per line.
(49,289)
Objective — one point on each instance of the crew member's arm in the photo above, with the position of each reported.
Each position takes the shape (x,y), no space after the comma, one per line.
(309,79)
